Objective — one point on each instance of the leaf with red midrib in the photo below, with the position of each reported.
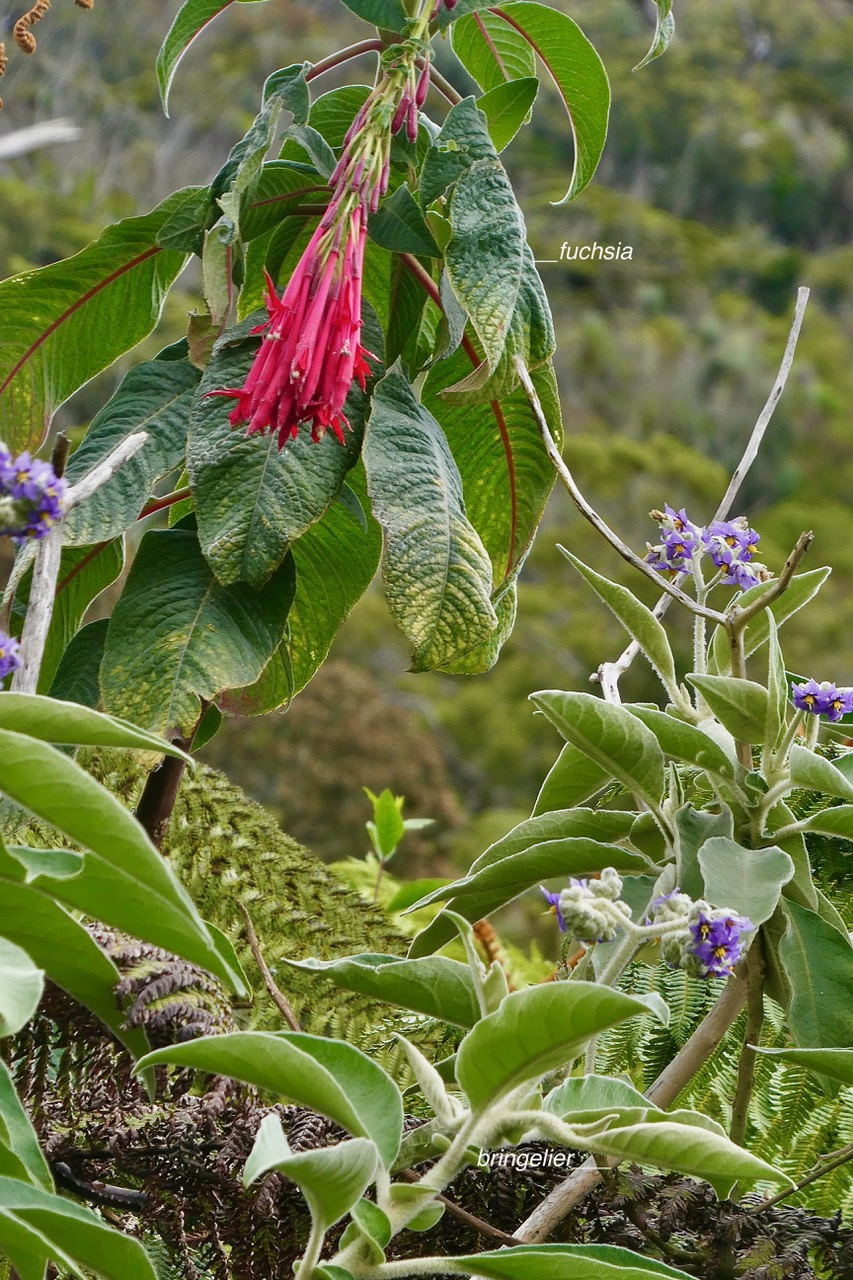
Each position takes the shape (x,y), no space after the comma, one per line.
(63,324)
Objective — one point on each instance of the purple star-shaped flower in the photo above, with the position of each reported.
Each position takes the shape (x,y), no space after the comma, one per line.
(554,902)
(837,702)
(718,943)
(8,655)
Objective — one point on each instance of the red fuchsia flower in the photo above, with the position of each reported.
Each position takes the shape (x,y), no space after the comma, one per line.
(311,352)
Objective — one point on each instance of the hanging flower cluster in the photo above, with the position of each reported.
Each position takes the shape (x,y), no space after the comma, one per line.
(590,910)
(31,496)
(824,699)
(706,941)
(731,544)
(311,352)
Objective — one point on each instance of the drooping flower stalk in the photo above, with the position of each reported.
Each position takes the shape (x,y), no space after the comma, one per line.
(312,352)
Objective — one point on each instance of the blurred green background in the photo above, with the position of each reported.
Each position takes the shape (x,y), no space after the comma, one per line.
(728,170)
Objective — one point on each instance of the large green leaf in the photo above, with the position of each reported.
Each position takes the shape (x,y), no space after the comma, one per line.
(535,1031)
(84,572)
(60,945)
(739,705)
(436,571)
(191,19)
(389,15)
(749,881)
(36,1226)
(77,676)
(485,256)
(329,1076)
(563,1261)
(123,880)
(335,563)
(274,192)
(400,225)
(835,1063)
(491,51)
(610,736)
(177,635)
(462,142)
(18,1138)
(436,986)
(507,107)
(664,31)
(507,476)
(252,498)
(62,324)
(21,985)
(819,963)
(578,74)
(154,397)
(332,1179)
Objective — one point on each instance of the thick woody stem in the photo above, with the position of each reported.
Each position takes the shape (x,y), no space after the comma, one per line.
(752,1035)
(684,1066)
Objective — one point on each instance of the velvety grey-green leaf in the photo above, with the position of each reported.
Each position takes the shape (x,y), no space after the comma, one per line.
(67,723)
(593,1093)
(490,50)
(437,986)
(59,945)
(485,256)
(535,1031)
(154,397)
(436,571)
(507,107)
(610,736)
(21,985)
(18,1136)
(739,705)
(684,741)
(69,1233)
(749,881)
(330,1076)
(64,323)
(819,963)
(252,498)
(332,1179)
(123,880)
(818,774)
(835,821)
(177,635)
(802,588)
(572,779)
(693,828)
(563,1261)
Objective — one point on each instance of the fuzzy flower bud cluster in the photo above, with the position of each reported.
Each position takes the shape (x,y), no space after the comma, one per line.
(591,910)
(706,941)
(731,545)
(31,496)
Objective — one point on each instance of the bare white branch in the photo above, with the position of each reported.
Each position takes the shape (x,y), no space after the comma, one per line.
(104,470)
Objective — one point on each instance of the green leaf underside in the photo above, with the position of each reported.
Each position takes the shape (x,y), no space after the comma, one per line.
(36,1226)
(563,1261)
(329,1076)
(507,107)
(739,705)
(664,31)
(123,880)
(62,324)
(252,498)
(438,987)
(436,572)
(18,1137)
(491,51)
(749,881)
(63,949)
(190,21)
(579,76)
(177,635)
(819,963)
(532,1032)
(836,1063)
(154,397)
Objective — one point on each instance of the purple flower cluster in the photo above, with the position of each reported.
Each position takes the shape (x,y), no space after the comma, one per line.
(824,699)
(717,942)
(731,544)
(8,655)
(30,496)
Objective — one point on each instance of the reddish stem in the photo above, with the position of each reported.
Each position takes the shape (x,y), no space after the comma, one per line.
(160,504)
(344,55)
